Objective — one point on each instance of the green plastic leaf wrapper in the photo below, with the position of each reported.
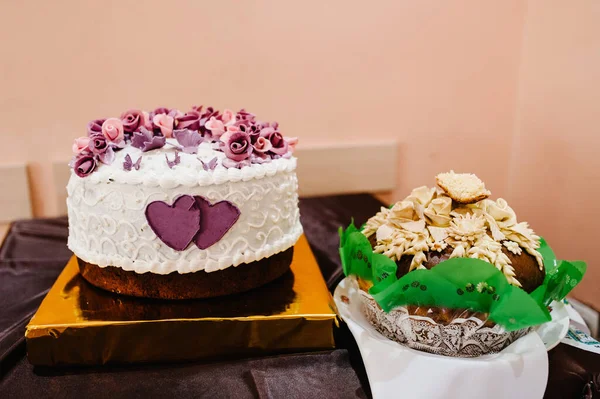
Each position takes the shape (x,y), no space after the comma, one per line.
(359,259)
(460,283)
(355,253)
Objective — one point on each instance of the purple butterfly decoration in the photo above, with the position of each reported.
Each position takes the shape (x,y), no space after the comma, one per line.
(175,160)
(145,140)
(210,165)
(128,164)
(189,140)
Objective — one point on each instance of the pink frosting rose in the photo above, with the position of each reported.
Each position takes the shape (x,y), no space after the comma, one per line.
(147,120)
(165,123)
(80,144)
(292,142)
(216,127)
(132,120)
(262,145)
(175,113)
(113,130)
(280,146)
(238,146)
(228,117)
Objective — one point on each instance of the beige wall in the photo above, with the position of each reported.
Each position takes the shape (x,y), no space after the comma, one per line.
(437,75)
(501,88)
(554,180)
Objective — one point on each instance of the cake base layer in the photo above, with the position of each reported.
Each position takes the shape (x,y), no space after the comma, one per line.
(200,284)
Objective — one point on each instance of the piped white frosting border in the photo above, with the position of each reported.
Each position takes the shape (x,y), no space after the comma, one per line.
(185,266)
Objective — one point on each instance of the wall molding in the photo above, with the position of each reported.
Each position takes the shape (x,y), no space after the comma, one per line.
(15,197)
(347,168)
(60,174)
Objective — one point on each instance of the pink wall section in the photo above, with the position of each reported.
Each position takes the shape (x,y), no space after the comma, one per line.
(554,180)
(505,89)
(436,75)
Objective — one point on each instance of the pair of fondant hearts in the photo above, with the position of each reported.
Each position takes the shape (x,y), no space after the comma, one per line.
(191,218)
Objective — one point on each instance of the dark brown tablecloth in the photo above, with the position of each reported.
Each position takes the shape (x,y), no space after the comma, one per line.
(34,253)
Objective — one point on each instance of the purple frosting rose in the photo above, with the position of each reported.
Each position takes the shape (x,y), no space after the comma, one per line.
(201,116)
(238,146)
(95,126)
(243,115)
(254,132)
(279,145)
(190,121)
(160,110)
(85,164)
(98,144)
(132,120)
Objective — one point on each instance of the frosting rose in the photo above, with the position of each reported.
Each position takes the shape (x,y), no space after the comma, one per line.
(80,144)
(238,146)
(132,120)
(175,113)
(98,144)
(230,130)
(205,117)
(84,164)
(262,145)
(113,130)
(292,143)
(216,127)
(147,120)
(228,117)
(160,110)
(164,122)
(243,115)
(191,121)
(279,145)
(95,126)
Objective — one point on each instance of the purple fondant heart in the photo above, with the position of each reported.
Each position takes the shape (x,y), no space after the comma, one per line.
(216,220)
(177,224)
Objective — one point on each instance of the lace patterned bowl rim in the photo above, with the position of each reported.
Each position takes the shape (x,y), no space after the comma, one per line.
(551,333)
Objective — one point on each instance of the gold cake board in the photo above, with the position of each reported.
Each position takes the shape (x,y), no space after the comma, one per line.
(79,324)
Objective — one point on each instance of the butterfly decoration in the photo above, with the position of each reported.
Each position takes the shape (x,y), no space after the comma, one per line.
(188,140)
(128,164)
(210,165)
(145,140)
(175,160)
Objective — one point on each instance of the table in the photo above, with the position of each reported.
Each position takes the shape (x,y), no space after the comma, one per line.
(34,252)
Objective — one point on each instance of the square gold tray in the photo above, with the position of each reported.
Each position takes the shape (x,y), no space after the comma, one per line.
(79,324)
